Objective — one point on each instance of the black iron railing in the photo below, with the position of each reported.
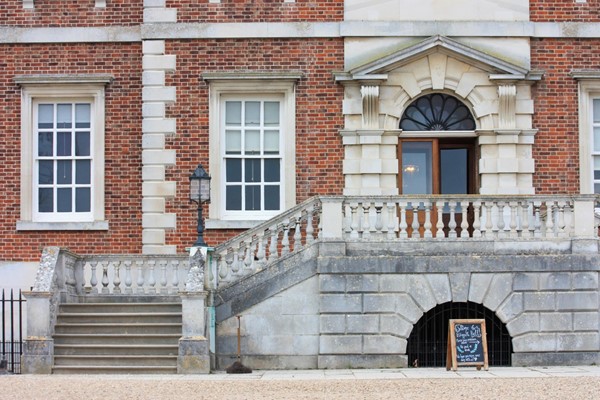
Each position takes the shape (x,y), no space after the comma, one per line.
(11,346)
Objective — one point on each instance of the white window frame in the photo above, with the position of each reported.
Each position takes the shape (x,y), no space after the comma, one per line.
(242,86)
(55,89)
(589,89)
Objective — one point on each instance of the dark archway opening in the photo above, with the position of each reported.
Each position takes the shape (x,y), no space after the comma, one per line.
(429,337)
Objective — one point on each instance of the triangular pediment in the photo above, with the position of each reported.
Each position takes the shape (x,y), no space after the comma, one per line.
(378,69)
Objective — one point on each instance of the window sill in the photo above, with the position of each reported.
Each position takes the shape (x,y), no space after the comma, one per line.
(231,224)
(62,226)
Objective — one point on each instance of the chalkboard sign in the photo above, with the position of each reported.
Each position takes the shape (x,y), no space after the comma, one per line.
(467,344)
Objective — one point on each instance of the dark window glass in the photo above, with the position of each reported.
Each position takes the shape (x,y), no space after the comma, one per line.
(64,200)
(252,198)
(272,173)
(82,144)
(46,172)
(271,197)
(64,172)
(82,199)
(45,200)
(45,144)
(233,198)
(252,172)
(63,144)
(82,172)
(233,171)
(437,112)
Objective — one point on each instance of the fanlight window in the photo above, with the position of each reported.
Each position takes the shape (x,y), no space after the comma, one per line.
(437,112)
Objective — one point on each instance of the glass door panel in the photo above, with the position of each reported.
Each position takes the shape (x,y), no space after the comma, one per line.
(417,167)
(454,175)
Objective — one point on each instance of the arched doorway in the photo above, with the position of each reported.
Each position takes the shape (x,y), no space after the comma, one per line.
(428,339)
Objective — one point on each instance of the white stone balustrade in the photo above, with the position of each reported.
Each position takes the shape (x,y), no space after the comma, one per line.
(132,275)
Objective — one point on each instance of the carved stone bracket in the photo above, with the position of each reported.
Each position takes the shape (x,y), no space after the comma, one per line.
(370,105)
(507,118)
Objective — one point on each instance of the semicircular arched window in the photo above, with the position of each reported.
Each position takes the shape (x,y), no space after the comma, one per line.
(437,112)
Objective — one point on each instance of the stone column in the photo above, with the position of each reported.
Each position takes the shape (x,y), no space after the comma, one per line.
(38,351)
(194,346)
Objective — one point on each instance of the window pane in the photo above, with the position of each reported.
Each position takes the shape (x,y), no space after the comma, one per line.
(596,139)
(453,171)
(597,188)
(45,116)
(233,171)
(271,197)
(233,112)
(596,110)
(233,142)
(271,142)
(252,198)
(416,168)
(233,198)
(272,173)
(83,172)
(82,144)
(82,116)
(597,167)
(46,172)
(252,117)
(252,144)
(63,144)
(83,200)
(45,200)
(64,200)
(64,172)
(45,144)
(271,113)
(252,170)
(64,116)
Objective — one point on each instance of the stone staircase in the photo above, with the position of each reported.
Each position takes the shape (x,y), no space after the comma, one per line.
(118,334)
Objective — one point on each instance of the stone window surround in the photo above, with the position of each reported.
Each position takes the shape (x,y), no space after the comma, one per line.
(56,87)
(589,88)
(248,84)
(30,3)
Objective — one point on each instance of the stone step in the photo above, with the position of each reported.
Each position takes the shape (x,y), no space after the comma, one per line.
(120,317)
(111,369)
(124,298)
(72,308)
(112,339)
(122,328)
(116,360)
(116,350)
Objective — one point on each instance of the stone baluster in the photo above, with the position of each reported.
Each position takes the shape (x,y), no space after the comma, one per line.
(550,219)
(238,257)
(523,212)
(231,271)
(476,219)
(223,267)
(151,280)
(273,243)
(105,289)
(310,230)
(298,233)
(175,280)
(537,219)
(261,252)
(403,234)
(140,276)
(285,241)
(489,223)
(415,225)
(439,233)
(378,219)
(513,219)
(427,225)
(163,277)
(128,281)
(117,277)
(561,219)
(452,222)
(248,258)
(366,223)
(391,223)
(353,221)
(93,278)
(500,220)
(464,223)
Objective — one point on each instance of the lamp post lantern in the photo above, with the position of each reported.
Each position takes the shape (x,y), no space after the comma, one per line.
(200,194)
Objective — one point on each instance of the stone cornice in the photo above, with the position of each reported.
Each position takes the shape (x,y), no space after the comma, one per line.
(59,79)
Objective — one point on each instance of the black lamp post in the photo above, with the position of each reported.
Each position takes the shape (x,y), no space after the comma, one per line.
(200,194)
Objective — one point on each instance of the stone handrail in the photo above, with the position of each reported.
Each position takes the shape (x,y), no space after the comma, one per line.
(266,243)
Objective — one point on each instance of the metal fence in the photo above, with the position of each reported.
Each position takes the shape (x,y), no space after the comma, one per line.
(11,346)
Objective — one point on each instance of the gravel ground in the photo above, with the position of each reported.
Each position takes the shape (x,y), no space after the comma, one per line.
(105,387)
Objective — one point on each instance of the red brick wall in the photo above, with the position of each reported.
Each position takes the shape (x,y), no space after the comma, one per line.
(564,10)
(123,145)
(258,10)
(319,151)
(70,13)
(556,150)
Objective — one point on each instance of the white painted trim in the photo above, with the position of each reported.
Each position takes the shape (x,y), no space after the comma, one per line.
(285,88)
(588,89)
(64,89)
(62,226)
